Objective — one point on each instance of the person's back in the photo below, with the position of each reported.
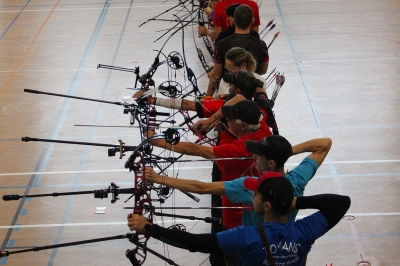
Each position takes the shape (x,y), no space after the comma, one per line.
(288,242)
(242,38)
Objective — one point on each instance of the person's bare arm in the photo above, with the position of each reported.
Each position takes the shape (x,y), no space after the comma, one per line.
(187,148)
(192,186)
(217,74)
(202,30)
(172,103)
(206,124)
(319,148)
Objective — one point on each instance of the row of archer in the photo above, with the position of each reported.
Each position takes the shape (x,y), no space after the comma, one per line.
(141,156)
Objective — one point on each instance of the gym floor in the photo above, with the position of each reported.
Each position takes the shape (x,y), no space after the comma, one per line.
(341,61)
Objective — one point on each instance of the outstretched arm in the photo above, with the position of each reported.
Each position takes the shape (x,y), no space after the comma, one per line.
(202,30)
(319,148)
(204,243)
(172,103)
(187,148)
(206,124)
(193,186)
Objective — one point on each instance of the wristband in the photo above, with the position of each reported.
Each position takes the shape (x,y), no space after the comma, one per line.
(170,103)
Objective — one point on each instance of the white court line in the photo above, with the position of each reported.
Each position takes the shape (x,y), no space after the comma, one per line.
(78,9)
(90,171)
(170,221)
(183,168)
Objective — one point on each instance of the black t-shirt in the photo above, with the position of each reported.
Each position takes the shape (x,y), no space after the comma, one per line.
(230,31)
(255,46)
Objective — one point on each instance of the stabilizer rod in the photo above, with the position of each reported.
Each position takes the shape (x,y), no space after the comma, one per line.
(74,97)
(205,219)
(98,194)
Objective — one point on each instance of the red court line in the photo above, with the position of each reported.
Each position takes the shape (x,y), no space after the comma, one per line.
(27,50)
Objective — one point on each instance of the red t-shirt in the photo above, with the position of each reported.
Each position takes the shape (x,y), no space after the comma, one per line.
(220,16)
(232,169)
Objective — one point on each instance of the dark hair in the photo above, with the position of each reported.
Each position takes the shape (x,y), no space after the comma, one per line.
(249,83)
(243,17)
(239,56)
(279,193)
(230,10)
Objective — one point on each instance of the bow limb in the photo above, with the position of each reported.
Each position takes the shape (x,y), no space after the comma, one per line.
(201,22)
(207,43)
(137,255)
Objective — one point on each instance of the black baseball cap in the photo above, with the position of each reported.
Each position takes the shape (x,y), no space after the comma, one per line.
(247,111)
(273,147)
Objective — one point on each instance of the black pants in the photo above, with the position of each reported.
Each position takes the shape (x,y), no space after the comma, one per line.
(216,259)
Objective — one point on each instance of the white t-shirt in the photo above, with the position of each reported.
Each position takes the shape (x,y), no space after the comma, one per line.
(224,87)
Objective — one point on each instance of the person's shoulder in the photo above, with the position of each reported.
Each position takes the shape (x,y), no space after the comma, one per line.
(255,34)
(224,41)
(259,134)
(251,3)
(309,160)
(307,164)
(237,181)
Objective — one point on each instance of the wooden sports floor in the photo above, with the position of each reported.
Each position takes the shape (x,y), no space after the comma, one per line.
(341,60)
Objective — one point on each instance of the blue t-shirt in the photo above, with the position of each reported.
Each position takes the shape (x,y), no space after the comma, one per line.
(289,242)
(299,177)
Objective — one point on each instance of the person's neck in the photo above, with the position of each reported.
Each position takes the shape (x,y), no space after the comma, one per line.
(280,170)
(240,134)
(269,218)
(241,31)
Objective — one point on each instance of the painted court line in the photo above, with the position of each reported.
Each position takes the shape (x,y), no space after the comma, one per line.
(183,168)
(167,221)
(85,224)
(78,9)
(27,50)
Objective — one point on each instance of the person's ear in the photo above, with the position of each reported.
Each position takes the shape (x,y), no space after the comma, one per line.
(252,20)
(267,206)
(272,164)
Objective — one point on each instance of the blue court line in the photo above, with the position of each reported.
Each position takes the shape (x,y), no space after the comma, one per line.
(12,22)
(298,65)
(69,204)
(24,212)
(46,151)
(328,158)
(11,244)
